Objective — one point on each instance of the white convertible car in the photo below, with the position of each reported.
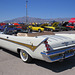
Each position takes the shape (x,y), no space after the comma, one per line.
(45,47)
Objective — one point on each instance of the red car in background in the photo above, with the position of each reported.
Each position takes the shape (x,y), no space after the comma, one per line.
(71,26)
(17,25)
(1,24)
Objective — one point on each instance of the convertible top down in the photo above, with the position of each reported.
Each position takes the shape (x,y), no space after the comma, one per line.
(45,47)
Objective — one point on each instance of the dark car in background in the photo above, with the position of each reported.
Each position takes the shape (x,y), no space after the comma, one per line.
(13,30)
(2,27)
(63,28)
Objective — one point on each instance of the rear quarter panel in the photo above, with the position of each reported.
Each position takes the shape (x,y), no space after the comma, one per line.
(36,53)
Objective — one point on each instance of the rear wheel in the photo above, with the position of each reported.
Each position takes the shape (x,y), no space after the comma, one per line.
(39,30)
(25,56)
(29,30)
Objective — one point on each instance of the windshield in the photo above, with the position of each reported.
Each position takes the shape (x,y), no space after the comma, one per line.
(48,25)
(38,25)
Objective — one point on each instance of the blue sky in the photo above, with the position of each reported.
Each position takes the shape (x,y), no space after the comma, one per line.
(45,9)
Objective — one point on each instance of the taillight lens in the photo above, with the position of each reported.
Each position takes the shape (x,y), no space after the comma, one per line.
(48,49)
(47,45)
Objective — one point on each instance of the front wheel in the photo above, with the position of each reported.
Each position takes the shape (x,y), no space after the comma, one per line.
(51,30)
(25,56)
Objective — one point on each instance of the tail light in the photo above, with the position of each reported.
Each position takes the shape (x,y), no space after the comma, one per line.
(47,45)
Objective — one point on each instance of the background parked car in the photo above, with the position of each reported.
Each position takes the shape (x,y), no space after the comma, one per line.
(63,28)
(71,26)
(12,30)
(48,27)
(35,28)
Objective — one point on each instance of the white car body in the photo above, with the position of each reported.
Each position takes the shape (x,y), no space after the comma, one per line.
(61,46)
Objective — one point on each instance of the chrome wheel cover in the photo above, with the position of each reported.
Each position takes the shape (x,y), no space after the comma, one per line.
(24,55)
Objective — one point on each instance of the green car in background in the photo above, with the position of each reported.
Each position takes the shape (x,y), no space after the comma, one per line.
(62,28)
(59,27)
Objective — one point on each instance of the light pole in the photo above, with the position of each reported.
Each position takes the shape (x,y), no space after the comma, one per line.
(26,12)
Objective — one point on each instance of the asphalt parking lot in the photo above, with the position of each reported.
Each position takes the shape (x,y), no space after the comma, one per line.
(65,32)
(11,64)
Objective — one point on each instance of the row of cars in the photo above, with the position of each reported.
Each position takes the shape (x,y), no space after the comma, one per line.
(56,26)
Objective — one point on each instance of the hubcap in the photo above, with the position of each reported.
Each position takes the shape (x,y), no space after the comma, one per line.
(24,55)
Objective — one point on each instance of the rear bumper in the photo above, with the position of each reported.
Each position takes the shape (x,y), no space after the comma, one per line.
(58,55)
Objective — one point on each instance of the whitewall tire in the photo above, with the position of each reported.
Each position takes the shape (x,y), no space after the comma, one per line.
(25,56)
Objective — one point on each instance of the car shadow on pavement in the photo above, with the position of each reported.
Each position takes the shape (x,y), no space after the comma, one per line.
(55,66)
(12,53)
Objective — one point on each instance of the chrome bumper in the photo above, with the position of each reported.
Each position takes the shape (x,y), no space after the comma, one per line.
(57,55)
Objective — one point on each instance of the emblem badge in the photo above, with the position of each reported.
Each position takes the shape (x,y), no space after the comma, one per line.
(66,43)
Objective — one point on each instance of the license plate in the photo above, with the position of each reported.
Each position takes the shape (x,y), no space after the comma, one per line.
(69,51)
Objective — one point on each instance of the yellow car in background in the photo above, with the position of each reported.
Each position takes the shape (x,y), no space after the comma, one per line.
(35,28)
(50,27)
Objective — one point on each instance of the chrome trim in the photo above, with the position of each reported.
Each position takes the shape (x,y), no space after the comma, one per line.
(59,54)
(23,44)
